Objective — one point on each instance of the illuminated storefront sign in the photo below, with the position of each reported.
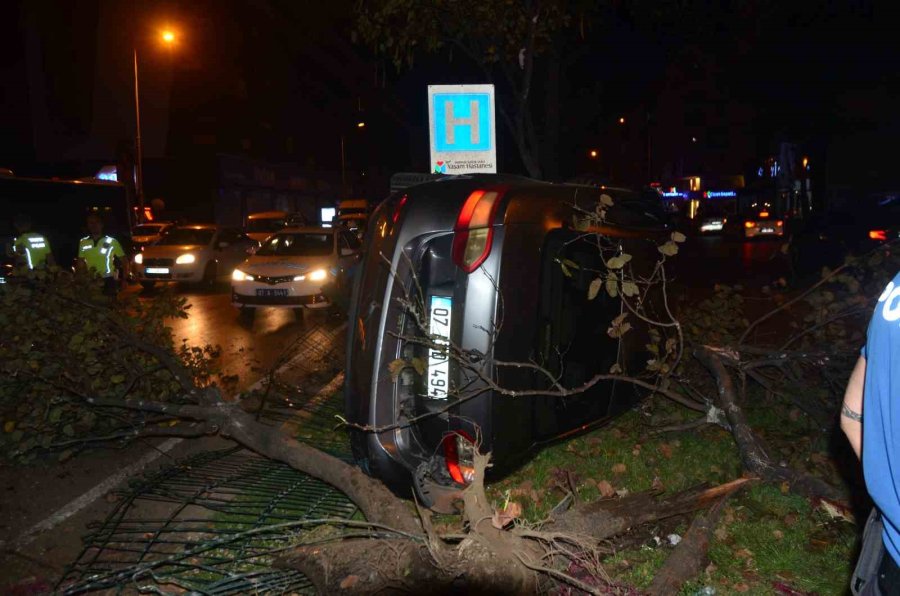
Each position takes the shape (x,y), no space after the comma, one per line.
(675,194)
(719,194)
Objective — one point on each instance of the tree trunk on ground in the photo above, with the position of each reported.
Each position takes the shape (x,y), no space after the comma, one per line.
(366,566)
(605,518)
(753,455)
(690,554)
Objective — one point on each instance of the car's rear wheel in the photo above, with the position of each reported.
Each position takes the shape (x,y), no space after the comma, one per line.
(247,313)
(148,285)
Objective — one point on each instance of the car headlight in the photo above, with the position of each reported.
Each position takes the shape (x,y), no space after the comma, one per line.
(238,275)
(139,258)
(317,275)
(299,277)
(185,259)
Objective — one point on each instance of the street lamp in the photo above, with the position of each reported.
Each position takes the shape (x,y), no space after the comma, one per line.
(168,38)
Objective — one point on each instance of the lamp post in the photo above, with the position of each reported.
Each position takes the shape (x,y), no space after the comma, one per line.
(139,158)
(167,36)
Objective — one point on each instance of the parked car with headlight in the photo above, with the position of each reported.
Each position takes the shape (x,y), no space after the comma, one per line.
(482,256)
(192,253)
(293,266)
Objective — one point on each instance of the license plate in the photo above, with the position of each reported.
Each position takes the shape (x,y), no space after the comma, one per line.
(767,230)
(157,270)
(438,359)
(269,293)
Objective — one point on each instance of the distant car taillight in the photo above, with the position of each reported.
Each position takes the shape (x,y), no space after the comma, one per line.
(764,214)
(474,232)
(779,223)
(878,235)
(749,224)
(459,455)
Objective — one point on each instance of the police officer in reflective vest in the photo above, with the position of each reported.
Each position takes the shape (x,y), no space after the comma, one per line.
(102,254)
(30,248)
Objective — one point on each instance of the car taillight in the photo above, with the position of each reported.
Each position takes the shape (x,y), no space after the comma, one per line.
(764,214)
(749,224)
(474,232)
(779,223)
(459,455)
(878,235)
(399,208)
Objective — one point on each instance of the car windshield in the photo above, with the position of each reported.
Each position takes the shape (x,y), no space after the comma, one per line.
(301,244)
(146,230)
(265,225)
(184,236)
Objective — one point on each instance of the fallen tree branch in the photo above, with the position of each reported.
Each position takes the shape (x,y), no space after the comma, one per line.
(607,518)
(690,554)
(753,455)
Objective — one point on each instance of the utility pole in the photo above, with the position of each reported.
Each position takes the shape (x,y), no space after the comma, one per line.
(139,151)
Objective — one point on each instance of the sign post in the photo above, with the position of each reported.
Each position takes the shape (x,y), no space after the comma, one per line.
(462,129)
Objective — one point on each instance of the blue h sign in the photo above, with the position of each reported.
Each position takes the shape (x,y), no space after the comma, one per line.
(462,122)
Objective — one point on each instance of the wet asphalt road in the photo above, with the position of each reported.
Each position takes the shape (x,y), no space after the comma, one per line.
(250,346)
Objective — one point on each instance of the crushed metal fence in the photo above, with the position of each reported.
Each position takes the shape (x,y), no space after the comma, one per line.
(211,524)
(215,522)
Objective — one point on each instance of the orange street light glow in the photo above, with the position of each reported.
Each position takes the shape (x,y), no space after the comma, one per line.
(621,120)
(168,36)
(593,153)
(360,125)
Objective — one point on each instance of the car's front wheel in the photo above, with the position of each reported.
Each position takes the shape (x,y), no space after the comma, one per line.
(209,274)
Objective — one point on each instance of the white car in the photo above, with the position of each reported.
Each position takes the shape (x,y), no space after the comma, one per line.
(193,253)
(291,268)
(148,233)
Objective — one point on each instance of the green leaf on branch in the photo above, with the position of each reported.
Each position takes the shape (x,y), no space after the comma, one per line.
(619,261)
(678,237)
(606,200)
(419,365)
(594,288)
(619,326)
(629,288)
(670,249)
(612,287)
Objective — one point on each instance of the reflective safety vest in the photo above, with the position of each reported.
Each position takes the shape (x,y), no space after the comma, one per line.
(34,247)
(100,254)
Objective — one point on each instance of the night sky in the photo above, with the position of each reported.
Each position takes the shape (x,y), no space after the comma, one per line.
(282,81)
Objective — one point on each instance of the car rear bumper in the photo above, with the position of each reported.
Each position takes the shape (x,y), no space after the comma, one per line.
(760,233)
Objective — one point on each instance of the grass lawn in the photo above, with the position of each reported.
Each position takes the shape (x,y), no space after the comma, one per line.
(768,540)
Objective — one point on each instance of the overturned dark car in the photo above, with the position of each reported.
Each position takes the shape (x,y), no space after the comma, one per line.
(473,283)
